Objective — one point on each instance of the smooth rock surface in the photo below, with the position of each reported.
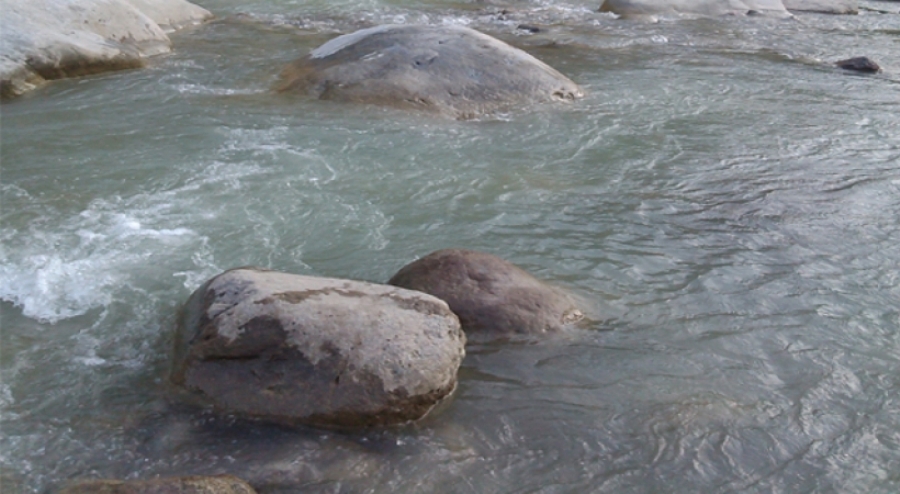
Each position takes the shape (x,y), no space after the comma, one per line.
(220,484)
(451,70)
(489,295)
(320,351)
(41,40)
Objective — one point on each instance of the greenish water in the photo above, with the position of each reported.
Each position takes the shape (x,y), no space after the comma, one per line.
(725,201)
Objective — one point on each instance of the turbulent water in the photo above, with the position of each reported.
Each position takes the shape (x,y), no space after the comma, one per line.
(726,202)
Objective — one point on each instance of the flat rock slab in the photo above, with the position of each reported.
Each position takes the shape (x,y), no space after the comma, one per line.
(491,296)
(43,40)
(451,70)
(220,484)
(638,8)
(824,6)
(327,352)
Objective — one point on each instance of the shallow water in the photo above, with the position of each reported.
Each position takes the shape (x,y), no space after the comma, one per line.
(723,199)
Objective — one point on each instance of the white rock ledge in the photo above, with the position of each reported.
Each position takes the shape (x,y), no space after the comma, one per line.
(41,40)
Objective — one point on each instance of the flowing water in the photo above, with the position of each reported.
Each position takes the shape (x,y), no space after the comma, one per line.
(724,200)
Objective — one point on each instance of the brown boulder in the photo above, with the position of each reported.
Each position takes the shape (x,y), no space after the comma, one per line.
(306,350)
(488,294)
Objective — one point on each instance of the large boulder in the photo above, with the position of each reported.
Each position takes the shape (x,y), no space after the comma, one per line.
(824,6)
(306,350)
(638,8)
(452,70)
(219,484)
(41,40)
(491,296)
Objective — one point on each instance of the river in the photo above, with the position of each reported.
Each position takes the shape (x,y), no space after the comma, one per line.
(725,201)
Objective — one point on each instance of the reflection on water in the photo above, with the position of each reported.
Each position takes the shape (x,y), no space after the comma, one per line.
(725,200)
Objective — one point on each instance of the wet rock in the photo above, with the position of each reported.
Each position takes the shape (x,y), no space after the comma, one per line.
(640,8)
(306,350)
(51,39)
(220,484)
(824,6)
(451,70)
(859,64)
(528,28)
(489,295)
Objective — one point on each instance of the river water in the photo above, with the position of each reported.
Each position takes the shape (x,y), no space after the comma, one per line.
(726,203)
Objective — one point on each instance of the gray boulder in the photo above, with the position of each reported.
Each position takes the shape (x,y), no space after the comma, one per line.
(219,484)
(451,70)
(320,351)
(490,296)
(41,40)
(639,8)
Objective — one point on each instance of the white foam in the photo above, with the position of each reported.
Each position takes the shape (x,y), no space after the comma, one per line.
(73,262)
(72,269)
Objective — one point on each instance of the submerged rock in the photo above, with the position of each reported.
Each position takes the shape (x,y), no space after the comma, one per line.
(220,484)
(319,351)
(452,70)
(488,294)
(859,64)
(43,40)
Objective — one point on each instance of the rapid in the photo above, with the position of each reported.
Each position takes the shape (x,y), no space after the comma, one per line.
(725,200)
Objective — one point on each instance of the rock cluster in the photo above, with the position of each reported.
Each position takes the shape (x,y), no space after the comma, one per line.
(51,39)
(341,353)
(452,70)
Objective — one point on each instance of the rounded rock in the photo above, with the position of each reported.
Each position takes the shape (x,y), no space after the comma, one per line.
(859,64)
(489,295)
(306,350)
(452,70)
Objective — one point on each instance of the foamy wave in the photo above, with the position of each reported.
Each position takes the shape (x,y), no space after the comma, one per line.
(78,267)
(200,89)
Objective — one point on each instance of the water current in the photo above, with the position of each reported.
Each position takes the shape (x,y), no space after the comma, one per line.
(725,201)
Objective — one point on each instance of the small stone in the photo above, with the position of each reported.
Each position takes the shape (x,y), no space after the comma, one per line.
(859,64)
(529,28)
